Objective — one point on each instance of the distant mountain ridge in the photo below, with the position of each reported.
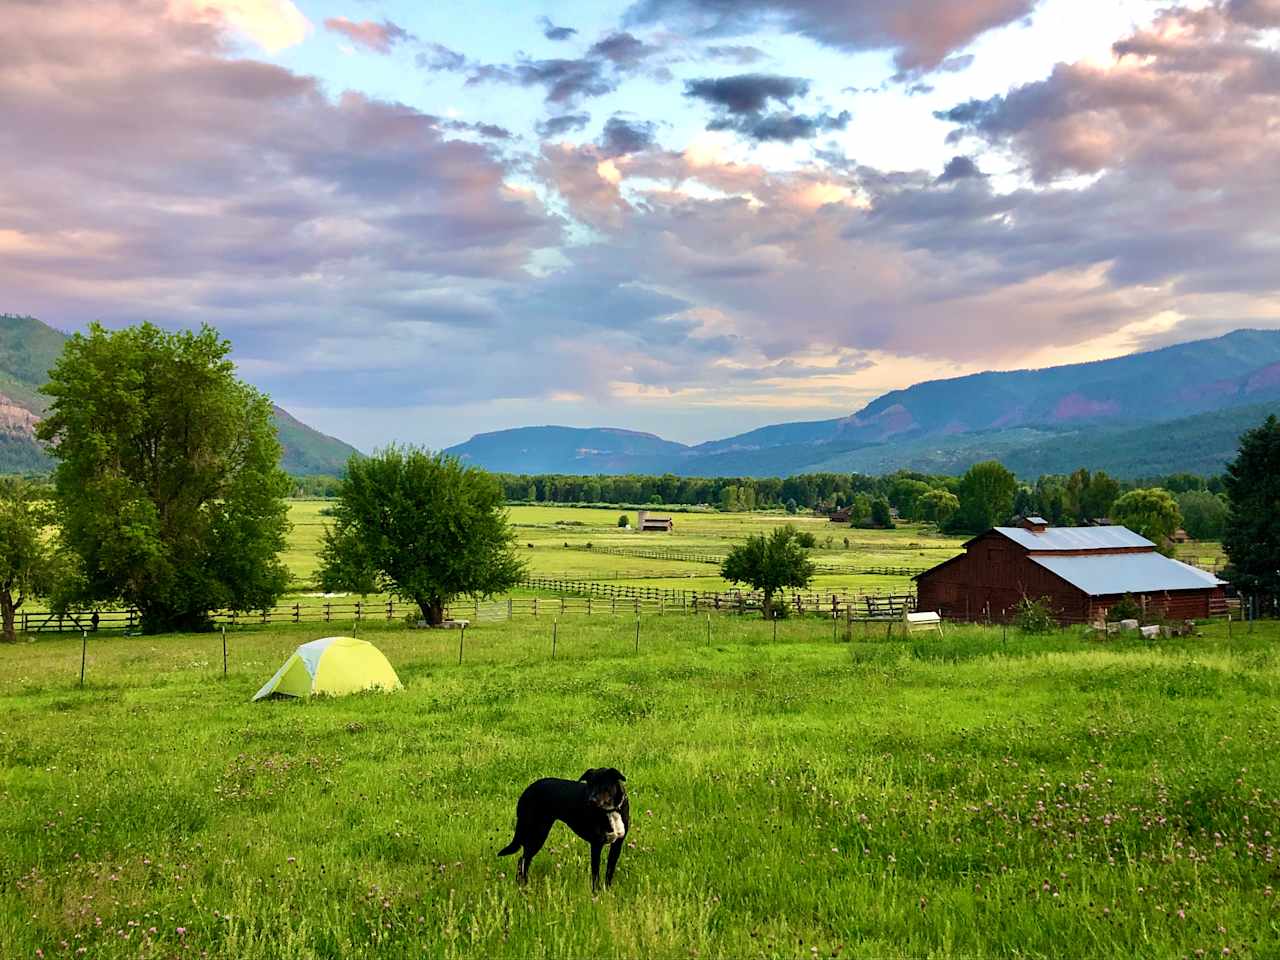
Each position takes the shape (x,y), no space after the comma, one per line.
(29,348)
(1102,410)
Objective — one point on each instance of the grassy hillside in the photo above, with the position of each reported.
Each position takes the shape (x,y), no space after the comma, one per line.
(966,796)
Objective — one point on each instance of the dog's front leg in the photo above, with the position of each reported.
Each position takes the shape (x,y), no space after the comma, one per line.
(615,851)
(595,865)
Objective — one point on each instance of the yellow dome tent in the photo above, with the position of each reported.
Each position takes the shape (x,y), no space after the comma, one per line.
(334,666)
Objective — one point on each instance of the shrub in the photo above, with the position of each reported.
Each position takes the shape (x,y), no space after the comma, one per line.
(1034,616)
(806,539)
(624,521)
(1126,609)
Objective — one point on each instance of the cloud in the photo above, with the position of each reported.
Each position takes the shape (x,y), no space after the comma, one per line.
(959,168)
(552,32)
(782,126)
(1189,99)
(564,123)
(747,92)
(622,137)
(565,80)
(241,194)
(272,24)
(376,37)
(740,54)
(922,33)
(741,102)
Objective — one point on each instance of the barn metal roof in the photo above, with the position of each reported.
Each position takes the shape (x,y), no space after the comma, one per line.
(1075,538)
(1110,573)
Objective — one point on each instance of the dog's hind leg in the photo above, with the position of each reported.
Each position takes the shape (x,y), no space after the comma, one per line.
(532,837)
(615,851)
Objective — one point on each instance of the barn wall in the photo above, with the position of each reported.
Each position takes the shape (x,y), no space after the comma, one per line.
(1173,604)
(995,573)
(990,579)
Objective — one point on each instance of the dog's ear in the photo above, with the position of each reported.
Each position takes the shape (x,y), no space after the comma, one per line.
(587,775)
(616,774)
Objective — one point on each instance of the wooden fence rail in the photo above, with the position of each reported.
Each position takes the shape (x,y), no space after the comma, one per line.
(573,597)
(686,556)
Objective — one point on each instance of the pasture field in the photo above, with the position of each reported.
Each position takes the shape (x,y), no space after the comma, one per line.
(963,796)
(543,533)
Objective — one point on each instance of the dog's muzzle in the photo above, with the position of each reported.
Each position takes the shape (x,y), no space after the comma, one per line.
(617,830)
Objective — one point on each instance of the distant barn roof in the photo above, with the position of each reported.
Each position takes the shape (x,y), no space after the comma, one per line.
(1105,574)
(1075,538)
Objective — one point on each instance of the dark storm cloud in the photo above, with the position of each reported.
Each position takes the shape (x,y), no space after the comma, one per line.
(922,33)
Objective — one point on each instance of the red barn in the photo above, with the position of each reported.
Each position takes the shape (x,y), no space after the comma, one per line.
(1083,571)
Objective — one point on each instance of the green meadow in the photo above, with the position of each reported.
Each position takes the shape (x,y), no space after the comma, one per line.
(973,795)
(554,541)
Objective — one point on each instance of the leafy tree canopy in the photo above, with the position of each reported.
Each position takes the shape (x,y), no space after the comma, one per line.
(1252,536)
(169,491)
(986,497)
(29,563)
(1152,512)
(422,527)
(1204,514)
(769,563)
(937,505)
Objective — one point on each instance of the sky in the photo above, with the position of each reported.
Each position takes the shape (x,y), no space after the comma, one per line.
(416,222)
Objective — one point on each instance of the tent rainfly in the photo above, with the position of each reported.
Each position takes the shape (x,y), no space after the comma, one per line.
(334,667)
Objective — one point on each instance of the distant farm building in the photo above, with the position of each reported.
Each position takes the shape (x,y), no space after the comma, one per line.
(841,515)
(648,524)
(1180,536)
(1083,571)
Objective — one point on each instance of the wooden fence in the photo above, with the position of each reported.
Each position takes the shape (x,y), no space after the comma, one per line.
(687,556)
(573,597)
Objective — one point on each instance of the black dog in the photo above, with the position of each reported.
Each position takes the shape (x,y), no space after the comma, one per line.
(594,806)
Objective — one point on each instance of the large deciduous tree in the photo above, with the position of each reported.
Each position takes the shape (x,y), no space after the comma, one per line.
(770,563)
(1252,536)
(169,491)
(422,527)
(1150,511)
(29,564)
(986,496)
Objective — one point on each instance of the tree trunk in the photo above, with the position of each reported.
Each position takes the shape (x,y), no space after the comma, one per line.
(7,615)
(164,620)
(432,610)
(768,604)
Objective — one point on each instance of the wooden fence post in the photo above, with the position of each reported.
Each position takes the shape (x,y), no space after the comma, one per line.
(326,611)
(297,613)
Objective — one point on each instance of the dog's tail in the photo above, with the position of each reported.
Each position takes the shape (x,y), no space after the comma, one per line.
(511,847)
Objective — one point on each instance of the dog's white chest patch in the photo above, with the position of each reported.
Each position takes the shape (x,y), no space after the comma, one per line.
(616,829)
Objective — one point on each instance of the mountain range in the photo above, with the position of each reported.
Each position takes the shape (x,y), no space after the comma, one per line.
(1201,395)
(29,348)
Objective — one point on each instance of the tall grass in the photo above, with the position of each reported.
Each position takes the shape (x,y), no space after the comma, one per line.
(958,796)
